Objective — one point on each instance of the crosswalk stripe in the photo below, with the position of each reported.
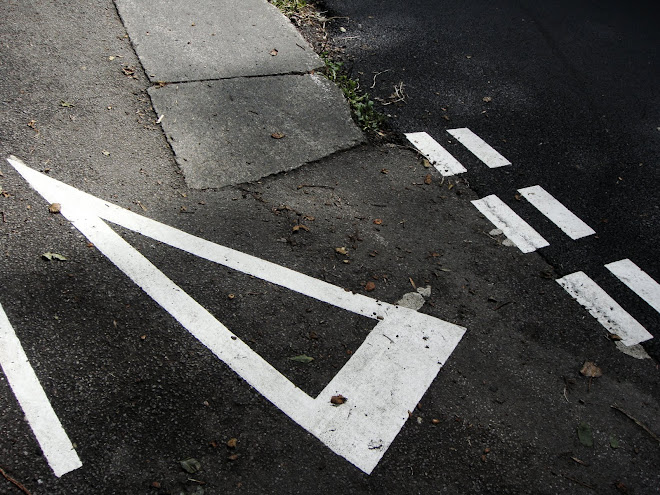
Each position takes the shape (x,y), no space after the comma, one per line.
(479,148)
(605,309)
(439,157)
(558,214)
(637,280)
(515,228)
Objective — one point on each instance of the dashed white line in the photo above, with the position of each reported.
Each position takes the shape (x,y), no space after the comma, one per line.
(479,148)
(561,216)
(39,413)
(515,228)
(605,309)
(439,157)
(637,280)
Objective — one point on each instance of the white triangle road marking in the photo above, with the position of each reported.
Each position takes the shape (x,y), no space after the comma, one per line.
(384,379)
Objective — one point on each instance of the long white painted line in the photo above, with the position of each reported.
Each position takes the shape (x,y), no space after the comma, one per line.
(561,216)
(439,157)
(384,379)
(479,148)
(39,413)
(515,228)
(605,309)
(637,280)
(58,192)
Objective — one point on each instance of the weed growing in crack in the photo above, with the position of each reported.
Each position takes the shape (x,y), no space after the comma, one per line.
(367,117)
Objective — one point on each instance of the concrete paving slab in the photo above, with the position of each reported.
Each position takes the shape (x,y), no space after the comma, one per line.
(178,40)
(240,130)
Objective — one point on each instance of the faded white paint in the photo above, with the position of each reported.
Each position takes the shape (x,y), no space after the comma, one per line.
(637,280)
(479,148)
(558,214)
(605,309)
(514,228)
(439,157)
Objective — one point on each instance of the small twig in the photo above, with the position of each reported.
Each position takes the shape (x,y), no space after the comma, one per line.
(4,220)
(376,74)
(637,422)
(502,305)
(13,481)
(315,185)
(565,396)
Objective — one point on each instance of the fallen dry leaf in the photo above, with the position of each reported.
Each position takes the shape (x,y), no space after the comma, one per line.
(232,442)
(427,179)
(338,399)
(273,52)
(341,250)
(55,208)
(300,226)
(369,286)
(487,99)
(591,370)
(378,221)
(277,135)
(427,164)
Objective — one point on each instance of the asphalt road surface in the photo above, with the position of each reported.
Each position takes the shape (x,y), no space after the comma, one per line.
(567,91)
(146,323)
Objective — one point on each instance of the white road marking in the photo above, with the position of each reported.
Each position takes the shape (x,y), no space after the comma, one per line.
(439,157)
(515,228)
(384,379)
(638,281)
(479,148)
(45,424)
(605,309)
(561,216)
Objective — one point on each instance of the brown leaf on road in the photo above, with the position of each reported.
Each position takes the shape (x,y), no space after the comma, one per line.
(427,179)
(55,208)
(591,370)
(298,227)
(277,135)
(232,442)
(369,286)
(378,221)
(338,400)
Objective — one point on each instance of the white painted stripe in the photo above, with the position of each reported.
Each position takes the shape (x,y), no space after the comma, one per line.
(45,424)
(638,281)
(558,214)
(515,228)
(384,379)
(479,148)
(439,157)
(605,309)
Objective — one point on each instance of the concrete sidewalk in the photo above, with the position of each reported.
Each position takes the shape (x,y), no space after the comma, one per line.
(234,88)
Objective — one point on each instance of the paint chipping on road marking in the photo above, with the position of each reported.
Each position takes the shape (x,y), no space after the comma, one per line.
(54,442)
(441,159)
(556,212)
(638,281)
(605,309)
(514,228)
(479,148)
(385,378)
